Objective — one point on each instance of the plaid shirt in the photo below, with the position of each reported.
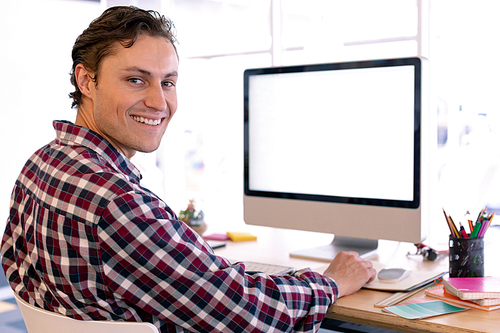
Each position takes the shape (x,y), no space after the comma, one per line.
(86,240)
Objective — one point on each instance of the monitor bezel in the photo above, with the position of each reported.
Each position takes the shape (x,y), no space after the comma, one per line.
(413,61)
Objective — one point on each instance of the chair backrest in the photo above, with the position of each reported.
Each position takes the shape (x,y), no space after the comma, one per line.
(38,320)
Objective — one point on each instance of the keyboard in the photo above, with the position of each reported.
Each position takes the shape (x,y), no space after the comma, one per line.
(269,269)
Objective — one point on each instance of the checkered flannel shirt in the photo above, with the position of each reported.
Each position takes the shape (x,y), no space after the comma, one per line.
(84,239)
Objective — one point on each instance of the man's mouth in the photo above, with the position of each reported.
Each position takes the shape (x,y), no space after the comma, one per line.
(150,122)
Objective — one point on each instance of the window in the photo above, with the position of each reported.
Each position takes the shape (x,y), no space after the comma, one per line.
(328,31)
(219,39)
(464,64)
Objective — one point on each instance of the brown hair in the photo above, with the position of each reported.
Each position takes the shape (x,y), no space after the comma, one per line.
(122,24)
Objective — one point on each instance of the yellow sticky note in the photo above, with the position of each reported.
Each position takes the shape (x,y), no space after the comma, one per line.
(241,236)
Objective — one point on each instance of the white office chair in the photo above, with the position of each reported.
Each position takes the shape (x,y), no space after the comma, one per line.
(38,320)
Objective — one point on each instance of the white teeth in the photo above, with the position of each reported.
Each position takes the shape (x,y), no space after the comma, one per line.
(143,120)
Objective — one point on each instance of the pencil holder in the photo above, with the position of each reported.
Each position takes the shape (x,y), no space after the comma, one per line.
(466,257)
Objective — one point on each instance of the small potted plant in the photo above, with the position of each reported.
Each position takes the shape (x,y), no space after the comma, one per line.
(193,218)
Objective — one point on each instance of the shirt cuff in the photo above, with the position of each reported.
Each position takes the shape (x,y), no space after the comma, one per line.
(322,280)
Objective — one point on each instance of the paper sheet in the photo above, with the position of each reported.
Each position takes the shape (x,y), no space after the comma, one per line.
(412,281)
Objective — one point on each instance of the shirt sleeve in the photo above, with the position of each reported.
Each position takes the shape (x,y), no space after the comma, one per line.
(162,268)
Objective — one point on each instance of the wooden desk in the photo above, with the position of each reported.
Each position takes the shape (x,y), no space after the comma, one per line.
(274,245)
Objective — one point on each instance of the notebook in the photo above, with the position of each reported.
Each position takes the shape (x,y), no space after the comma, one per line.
(439,293)
(473,288)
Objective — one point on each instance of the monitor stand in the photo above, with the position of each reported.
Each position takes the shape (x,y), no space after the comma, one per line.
(364,247)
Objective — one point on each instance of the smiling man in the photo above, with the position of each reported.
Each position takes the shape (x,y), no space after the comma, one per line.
(134,98)
(85,239)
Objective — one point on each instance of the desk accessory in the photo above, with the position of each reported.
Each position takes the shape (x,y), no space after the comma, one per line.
(193,218)
(484,304)
(427,252)
(397,298)
(392,275)
(215,244)
(466,249)
(466,257)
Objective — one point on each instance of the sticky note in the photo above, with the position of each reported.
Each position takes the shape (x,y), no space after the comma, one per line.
(241,236)
(217,237)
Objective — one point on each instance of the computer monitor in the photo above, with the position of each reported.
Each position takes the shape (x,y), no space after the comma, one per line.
(340,148)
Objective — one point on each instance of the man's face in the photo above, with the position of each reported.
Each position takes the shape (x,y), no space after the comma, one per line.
(135,97)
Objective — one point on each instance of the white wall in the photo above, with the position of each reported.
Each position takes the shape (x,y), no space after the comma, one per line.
(35,60)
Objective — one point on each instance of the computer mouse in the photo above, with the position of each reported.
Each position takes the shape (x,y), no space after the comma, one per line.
(393,275)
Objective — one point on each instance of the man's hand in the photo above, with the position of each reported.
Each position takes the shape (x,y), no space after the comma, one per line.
(350,272)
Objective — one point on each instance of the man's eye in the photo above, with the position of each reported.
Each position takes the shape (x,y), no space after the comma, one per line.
(134,80)
(168,84)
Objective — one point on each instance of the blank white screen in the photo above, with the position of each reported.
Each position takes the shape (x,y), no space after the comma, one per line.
(346,133)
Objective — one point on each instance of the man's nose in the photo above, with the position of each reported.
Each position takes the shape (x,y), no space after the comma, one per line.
(155,98)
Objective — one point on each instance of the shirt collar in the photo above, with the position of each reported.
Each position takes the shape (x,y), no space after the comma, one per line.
(73,135)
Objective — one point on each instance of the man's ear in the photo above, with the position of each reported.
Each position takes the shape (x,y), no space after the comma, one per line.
(85,80)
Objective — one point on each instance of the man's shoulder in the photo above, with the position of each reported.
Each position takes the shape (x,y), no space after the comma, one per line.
(88,164)
(78,167)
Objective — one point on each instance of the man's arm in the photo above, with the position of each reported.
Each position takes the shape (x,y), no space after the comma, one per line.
(164,268)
